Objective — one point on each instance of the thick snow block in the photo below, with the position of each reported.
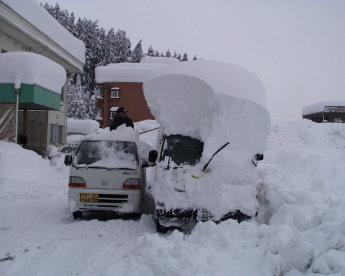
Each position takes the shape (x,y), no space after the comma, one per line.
(214,102)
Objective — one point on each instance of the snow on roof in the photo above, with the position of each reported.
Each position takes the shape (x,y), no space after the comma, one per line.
(320,106)
(31,68)
(161,60)
(122,133)
(31,11)
(114,108)
(76,126)
(125,72)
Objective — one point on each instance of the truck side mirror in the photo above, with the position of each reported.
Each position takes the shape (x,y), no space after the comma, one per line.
(153,154)
(68,160)
(259,156)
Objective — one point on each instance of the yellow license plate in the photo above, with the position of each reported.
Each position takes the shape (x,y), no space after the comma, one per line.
(88,198)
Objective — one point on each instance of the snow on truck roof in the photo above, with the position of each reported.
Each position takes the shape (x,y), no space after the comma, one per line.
(183,97)
(223,78)
(31,68)
(31,11)
(122,133)
(320,106)
(77,126)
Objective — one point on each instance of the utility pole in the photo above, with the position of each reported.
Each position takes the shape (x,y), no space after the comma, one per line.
(17,86)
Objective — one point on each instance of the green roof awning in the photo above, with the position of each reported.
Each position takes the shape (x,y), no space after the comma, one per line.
(32,97)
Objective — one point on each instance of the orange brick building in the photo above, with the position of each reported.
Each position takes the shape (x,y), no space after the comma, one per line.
(122,85)
(127,94)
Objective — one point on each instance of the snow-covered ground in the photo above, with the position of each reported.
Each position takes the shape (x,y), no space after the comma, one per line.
(300,227)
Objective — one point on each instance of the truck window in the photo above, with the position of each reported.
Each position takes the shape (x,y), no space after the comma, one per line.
(182,149)
(108,154)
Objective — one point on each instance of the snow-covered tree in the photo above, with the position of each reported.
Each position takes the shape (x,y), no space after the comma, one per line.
(195,58)
(151,51)
(168,54)
(156,53)
(137,53)
(185,57)
(122,46)
(76,99)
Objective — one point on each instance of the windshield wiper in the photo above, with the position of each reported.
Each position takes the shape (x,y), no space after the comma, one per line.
(209,161)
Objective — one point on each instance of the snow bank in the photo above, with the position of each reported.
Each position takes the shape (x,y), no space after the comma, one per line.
(31,68)
(320,107)
(216,103)
(22,169)
(302,196)
(31,11)
(300,228)
(125,72)
(76,126)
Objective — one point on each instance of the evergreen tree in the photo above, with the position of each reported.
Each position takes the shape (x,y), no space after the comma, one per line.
(156,54)
(76,99)
(122,46)
(137,53)
(179,57)
(195,58)
(175,55)
(151,51)
(168,54)
(185,57)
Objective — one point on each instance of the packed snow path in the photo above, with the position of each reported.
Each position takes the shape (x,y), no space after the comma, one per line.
(300,228)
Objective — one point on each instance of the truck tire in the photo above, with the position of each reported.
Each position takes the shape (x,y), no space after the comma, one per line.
(77,214)
(161,229)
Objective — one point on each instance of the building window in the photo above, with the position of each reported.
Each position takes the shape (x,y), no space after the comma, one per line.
(112,114)
(55,134)
(114,93)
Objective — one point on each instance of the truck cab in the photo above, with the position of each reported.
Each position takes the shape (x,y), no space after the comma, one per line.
(106,174)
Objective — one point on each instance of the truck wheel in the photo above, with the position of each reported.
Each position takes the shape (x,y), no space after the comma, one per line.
(161,229)
(77,214)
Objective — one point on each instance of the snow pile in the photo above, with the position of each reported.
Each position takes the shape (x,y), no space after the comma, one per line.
(32,12)
(302,195)
(75,138)
(122,133)
(24,171)
(216,103)
(31,68)
(76,126)
(299,229)
(320,107)
(125,72)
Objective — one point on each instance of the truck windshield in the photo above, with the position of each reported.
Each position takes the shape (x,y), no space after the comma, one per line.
(182,149)
(108,154)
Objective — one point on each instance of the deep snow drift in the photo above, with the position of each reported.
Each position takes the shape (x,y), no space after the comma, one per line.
(300,227)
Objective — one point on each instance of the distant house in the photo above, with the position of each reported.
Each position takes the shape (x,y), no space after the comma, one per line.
(122,85)
(26,26)
(325,112)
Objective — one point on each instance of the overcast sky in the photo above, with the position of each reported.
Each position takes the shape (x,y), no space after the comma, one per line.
(296,47)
